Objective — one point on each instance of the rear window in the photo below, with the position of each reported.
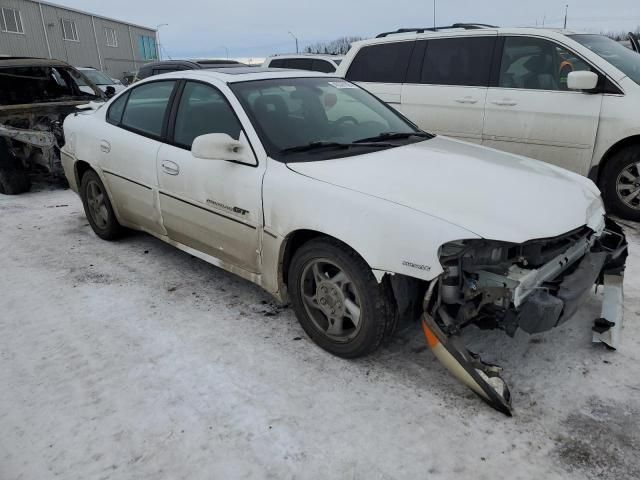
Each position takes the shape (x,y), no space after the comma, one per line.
(278,63)
(146,107)
(384,63)
(322,66)
(458,61)
(22,85)
(299,63)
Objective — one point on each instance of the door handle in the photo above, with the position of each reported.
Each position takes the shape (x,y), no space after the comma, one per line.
(505,102)
(170,168)
(467,100)
(105,146)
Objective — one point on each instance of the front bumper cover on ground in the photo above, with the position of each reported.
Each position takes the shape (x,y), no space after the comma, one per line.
(603,265)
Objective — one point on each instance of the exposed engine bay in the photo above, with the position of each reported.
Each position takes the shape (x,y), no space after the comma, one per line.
(35,97)
(534,286)
(35,138)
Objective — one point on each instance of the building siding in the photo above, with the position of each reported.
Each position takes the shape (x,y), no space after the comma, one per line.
(90,50)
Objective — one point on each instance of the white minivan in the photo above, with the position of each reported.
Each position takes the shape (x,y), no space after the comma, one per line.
(563,97)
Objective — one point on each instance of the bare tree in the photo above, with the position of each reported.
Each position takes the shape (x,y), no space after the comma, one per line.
(339,46)
(617,36)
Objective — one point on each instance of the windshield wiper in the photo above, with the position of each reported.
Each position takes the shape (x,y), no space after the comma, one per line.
(332,145)
(392,136)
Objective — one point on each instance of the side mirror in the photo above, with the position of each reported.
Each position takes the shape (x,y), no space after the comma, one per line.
(110,91)
(220,146)
(582,80)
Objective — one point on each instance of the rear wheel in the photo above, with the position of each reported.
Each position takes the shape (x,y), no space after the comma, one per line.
(97,207)
(621,183)
(337,299)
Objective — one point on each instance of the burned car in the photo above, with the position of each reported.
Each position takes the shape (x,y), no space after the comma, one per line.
(35,97)
(325,196)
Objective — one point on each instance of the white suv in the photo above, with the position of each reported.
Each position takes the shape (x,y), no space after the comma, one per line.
(567,98)
(311,62)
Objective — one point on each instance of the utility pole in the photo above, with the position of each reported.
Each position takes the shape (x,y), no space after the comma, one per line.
(227,50)
(296,38)
(434,13)
(158,44)
(566,10)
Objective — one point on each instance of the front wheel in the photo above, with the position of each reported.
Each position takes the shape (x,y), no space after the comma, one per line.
(97,207)
(621,183)
(337,299)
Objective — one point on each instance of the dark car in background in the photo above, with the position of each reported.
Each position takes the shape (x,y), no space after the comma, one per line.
(35,97)
(167,66)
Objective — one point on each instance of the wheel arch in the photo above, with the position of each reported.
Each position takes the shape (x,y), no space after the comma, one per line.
(596,172)
(292,243)
(79,169)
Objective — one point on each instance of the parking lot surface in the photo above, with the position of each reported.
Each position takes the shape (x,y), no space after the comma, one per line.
(133,360)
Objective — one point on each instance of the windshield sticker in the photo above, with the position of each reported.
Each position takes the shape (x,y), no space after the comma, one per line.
(342,85)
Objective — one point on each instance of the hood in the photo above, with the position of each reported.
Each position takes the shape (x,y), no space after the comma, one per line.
(493,194)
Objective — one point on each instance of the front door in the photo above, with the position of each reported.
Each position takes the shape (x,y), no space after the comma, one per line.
(214,206)
(531,112)
(129,147)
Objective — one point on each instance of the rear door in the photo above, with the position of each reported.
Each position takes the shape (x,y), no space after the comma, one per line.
(214,206)
(530,110)
(129,145)
(446,88)
(381,69)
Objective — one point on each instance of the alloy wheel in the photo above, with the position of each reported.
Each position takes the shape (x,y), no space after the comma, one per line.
(331,300)
(628,185)
(97,205)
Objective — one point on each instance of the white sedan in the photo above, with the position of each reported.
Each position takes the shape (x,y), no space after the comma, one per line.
(325,196)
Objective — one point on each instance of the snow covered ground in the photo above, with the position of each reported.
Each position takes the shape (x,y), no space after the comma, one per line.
(133,360)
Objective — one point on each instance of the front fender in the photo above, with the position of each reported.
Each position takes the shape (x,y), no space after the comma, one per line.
(389,237)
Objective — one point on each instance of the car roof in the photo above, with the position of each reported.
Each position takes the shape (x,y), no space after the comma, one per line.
(31,62)
(453,31)
(241,74)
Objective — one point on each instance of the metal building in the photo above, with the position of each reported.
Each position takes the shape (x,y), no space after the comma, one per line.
(30,28)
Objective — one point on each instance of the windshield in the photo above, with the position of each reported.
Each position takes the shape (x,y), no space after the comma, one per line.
(307,119)
(97,77)
(625,60)
(26,85)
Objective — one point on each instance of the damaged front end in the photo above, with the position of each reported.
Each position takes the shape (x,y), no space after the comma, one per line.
(534,286)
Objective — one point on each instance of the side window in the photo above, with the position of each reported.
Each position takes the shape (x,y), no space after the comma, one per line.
(114,115)
(299,63)
(537,64)
(458,61)
(203,109)
(322,66)
(277,63)
(384,63)
(146,107)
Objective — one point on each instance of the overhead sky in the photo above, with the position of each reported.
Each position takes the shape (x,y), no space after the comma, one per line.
(257,28)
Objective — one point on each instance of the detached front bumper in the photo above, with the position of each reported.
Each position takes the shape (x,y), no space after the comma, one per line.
(533,299)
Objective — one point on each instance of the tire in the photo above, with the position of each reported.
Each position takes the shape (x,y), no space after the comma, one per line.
(338,332)
(13,176)
(621,181)
(97,207)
